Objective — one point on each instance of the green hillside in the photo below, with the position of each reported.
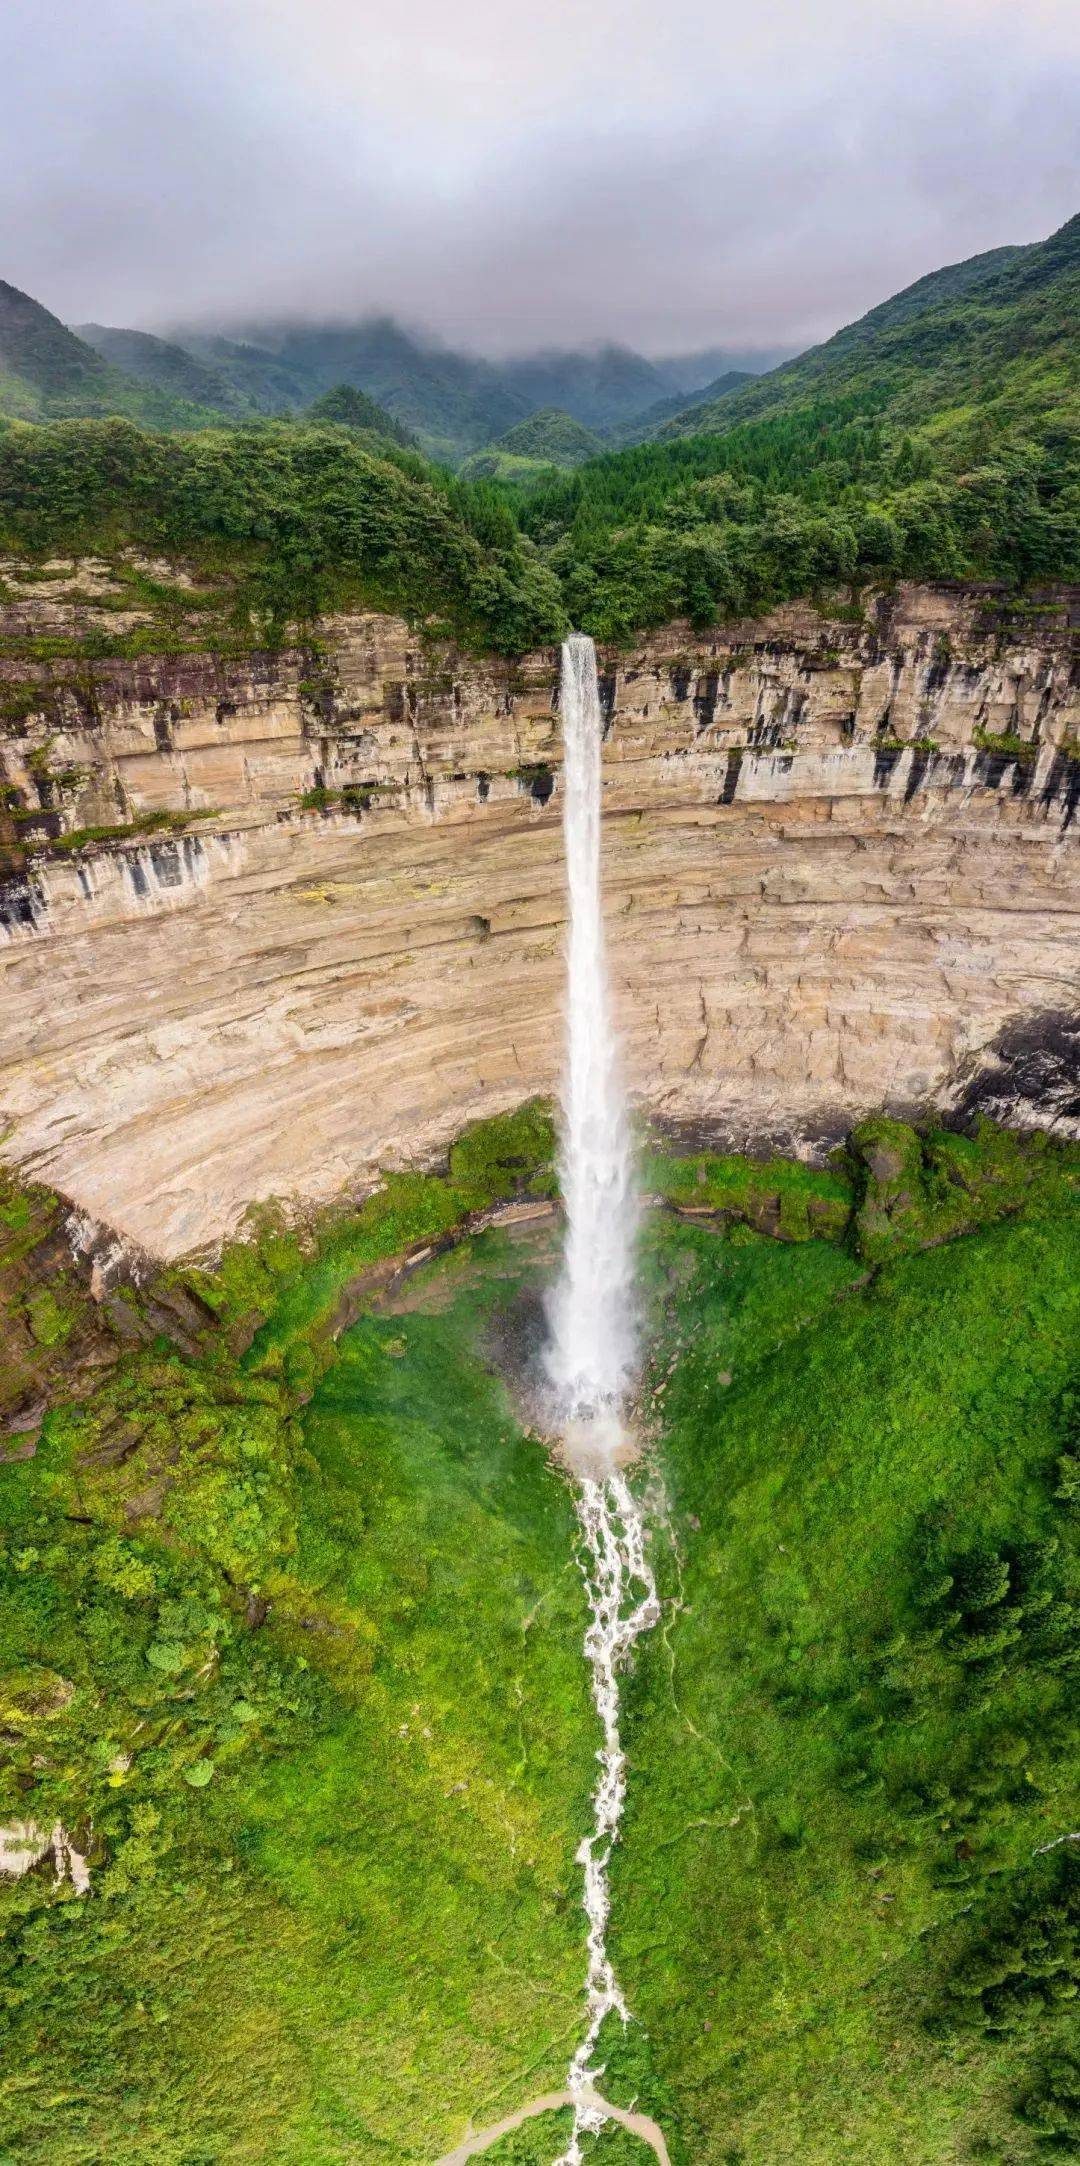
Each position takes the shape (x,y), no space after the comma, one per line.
(651,421)
(297,519)
(867,342)
(46,372)
(352,409)
(939,438)
(550,437)
(550,434)
(168,368)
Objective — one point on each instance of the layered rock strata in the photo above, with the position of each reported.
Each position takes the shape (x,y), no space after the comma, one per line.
(841,858)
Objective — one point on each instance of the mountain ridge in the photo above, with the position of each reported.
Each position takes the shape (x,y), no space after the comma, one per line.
(47,372)
(167,367)
(893,320)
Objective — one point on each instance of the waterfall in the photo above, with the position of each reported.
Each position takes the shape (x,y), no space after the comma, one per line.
(591,1350)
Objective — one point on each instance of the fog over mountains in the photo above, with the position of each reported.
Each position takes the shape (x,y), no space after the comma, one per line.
(452,402)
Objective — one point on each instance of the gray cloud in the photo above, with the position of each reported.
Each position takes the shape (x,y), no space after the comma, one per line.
(515,174)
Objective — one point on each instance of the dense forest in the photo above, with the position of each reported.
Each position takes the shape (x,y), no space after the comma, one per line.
(937,439)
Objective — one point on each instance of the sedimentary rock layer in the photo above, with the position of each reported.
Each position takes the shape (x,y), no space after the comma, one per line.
(841,858)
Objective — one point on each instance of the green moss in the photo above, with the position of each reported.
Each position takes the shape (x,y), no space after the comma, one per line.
(916,1189)
(50,1323)
(495,1159)
(145,823)
(1006,745)
(778,1195)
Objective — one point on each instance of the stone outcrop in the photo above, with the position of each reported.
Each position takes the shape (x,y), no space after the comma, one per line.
(841,861)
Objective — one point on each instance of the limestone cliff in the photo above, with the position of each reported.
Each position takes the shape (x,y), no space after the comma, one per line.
(841,861)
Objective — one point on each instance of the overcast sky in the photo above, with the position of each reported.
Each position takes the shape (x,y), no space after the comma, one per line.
(513,173)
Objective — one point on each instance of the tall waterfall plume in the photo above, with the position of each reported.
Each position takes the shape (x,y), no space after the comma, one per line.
(590,1356)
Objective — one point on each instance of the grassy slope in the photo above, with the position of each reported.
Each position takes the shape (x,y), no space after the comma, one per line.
(783,1927)
(345,1948)
(313,1696)
(438,1812)
(308,1942)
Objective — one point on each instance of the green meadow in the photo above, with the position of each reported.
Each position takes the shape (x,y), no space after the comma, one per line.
(290,1631)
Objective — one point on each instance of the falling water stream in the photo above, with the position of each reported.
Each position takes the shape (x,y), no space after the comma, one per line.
(591,1350)
(590,1360)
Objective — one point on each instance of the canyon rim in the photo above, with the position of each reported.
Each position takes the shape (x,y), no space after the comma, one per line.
(841,866)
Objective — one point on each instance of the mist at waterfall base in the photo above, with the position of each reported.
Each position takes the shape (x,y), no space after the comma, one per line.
(591,1352)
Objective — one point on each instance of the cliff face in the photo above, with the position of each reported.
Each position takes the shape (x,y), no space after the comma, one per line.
(841,860)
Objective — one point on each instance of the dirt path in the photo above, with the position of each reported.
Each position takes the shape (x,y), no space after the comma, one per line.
(638,2124)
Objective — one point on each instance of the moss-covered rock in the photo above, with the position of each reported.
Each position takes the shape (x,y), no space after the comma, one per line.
(914,1189)
(778,1196)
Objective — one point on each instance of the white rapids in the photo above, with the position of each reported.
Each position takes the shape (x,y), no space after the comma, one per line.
(593,1342)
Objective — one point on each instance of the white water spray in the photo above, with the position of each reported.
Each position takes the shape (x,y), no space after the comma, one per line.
(591,1354)
(590,1358)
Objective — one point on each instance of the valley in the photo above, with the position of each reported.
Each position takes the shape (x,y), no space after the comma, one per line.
(539,1161)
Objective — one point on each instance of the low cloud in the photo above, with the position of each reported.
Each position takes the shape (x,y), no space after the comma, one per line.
(512,176)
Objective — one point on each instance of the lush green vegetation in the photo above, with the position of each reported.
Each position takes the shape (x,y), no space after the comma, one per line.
(936,439)
(47,372)
(546,438)
(304,517)
(290,1642)
(651,422)
(352,409)
(307,1686)
(963,317)
(834,1911)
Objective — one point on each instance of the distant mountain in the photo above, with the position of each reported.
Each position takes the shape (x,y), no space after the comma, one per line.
(352,409)
(450,401)
(641,426)
(48,373)
(454,403)
(260,378)
(168,368)
(690,372)
(546,438)
(598,388)
(905,335)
